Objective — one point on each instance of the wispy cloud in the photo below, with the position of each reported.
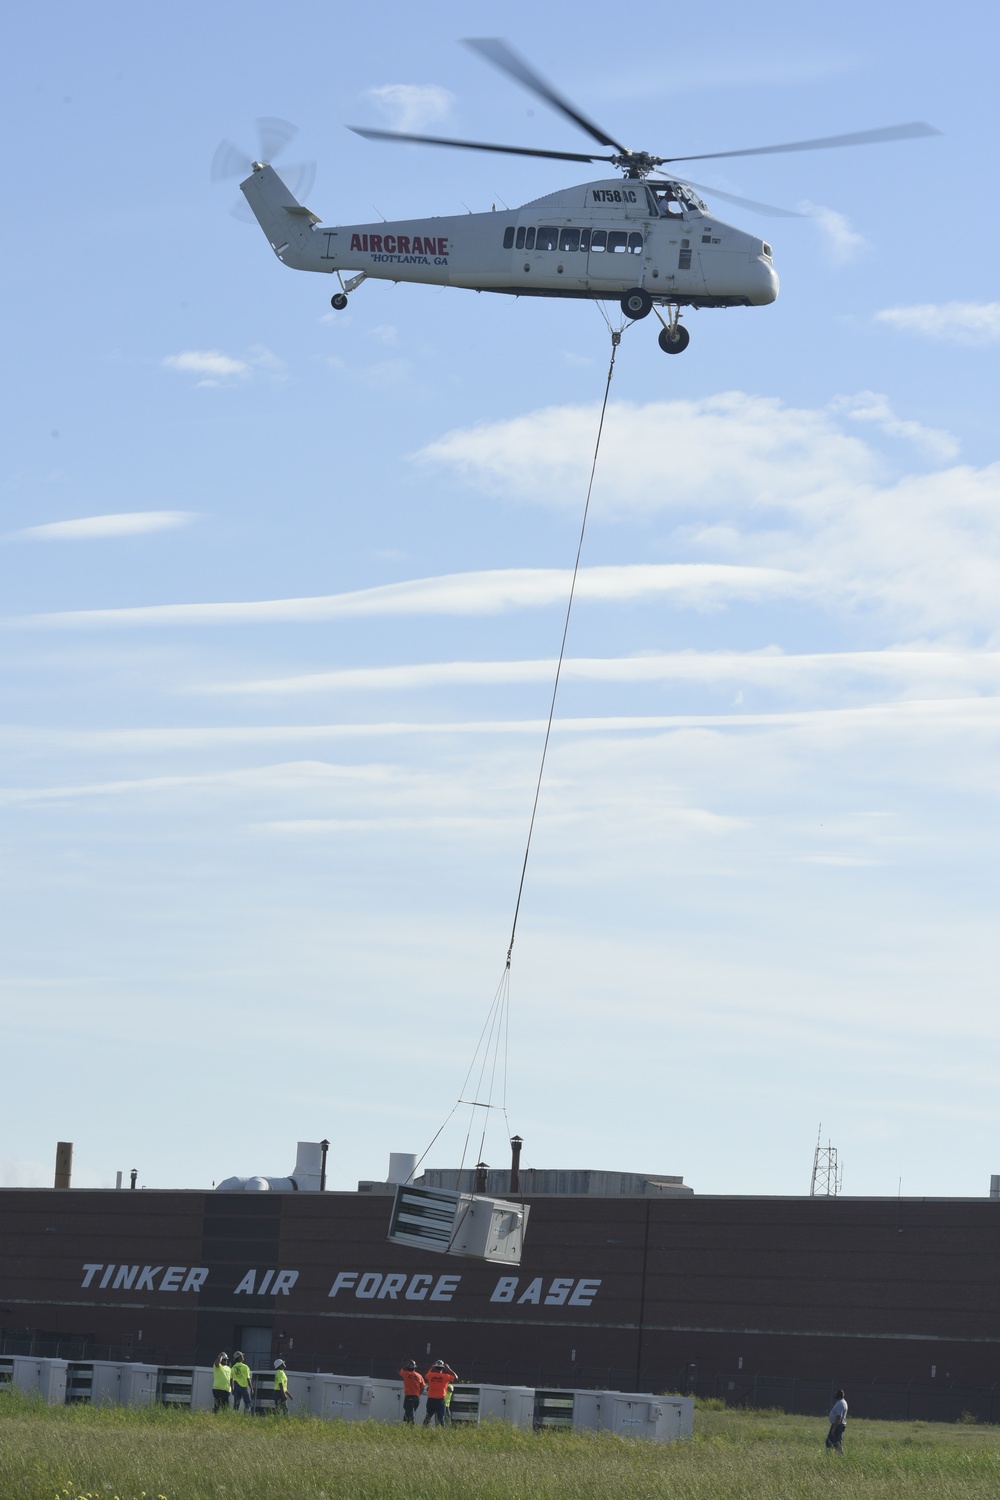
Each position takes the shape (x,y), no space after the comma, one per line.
(487,593)
(771,668)
(948,322)
(730,452)
(213,368)
(843,243)
(773,486)
(411,106)
(91,528)
(872,406)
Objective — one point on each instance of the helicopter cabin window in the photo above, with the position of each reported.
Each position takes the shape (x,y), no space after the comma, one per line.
(684,258)
(569,239)
(519,241)
(508,237)
(617,241)
(529,239)
(599,240)
(547,237)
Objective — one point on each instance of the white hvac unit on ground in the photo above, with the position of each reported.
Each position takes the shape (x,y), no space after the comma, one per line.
(202,1398)
(138,1385)
(351,1400)
(96,1383)
(661,1419)
(458,1223)
(51,1380)
(472,1404)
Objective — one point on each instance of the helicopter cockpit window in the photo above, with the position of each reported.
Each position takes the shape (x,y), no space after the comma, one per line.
(666,202)
(546,238)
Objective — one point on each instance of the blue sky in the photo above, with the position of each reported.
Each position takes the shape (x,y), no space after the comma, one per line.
(283,592)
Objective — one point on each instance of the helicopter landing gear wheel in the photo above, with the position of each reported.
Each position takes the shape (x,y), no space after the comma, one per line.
(338,301)
(637,304)
(674,341)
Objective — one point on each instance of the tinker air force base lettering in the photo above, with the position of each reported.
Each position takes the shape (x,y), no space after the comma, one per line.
(366,1286)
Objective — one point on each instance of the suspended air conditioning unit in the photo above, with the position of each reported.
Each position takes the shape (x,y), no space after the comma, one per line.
(458,1223)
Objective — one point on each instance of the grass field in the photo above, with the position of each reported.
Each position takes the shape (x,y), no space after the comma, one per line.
(64,1453)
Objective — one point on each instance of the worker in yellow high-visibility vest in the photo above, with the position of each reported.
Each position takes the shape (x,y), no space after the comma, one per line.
(242,1382)
(281,1396)
(222,1379)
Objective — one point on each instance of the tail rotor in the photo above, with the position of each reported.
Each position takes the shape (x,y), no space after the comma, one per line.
(274,136)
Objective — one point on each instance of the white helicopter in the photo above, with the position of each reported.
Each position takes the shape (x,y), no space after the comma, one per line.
(647,241)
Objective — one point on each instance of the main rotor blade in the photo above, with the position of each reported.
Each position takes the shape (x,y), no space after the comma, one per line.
(506,59)
(440,140)
(754,207)
(857,138)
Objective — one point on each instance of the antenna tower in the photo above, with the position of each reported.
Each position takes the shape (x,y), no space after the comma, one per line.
(827,1175)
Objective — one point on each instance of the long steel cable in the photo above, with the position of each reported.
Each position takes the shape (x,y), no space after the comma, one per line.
(616,339)
(496,1026)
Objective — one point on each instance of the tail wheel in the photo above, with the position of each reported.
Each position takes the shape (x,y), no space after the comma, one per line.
(675,343)
(338,301)
(637,304)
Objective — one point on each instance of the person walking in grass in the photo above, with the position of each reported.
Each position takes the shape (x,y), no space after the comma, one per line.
(221,1382)
(242,1382)
(413,1389)
(438,1377)
(281,1396)
(838,1422)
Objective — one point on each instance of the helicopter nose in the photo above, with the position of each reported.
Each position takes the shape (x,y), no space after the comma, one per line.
(766,282)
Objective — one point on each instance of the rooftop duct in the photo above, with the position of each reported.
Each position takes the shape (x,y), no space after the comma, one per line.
(308,1176)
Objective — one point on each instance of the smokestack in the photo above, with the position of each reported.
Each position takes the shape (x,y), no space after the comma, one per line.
(324,1147)
(481,1171)
(133,1177)
(64,1164)
(515,1163)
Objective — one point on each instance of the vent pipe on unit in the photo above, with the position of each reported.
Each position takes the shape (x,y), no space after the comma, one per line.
(995,1186)
(324,1147)
(481,1177)
(64,1164)
(515,1163)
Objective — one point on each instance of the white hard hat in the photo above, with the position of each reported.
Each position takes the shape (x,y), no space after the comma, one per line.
(279,1364)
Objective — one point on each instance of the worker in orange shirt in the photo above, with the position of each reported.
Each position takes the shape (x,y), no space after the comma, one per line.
(439,1377)
(413,1389)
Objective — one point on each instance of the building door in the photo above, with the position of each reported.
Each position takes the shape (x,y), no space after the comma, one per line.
(256,1346)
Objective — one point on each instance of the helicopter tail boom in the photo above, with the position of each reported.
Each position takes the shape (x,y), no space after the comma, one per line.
(286,222)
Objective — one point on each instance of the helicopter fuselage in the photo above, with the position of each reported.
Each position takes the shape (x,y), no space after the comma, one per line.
(594,240)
